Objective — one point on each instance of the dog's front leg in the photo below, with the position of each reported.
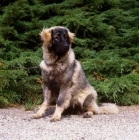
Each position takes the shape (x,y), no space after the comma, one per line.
(44,106)
(62,103)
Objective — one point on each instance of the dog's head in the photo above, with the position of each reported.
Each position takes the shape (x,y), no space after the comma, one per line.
(57,39)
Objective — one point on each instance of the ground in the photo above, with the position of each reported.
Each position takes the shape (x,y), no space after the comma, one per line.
(15,124)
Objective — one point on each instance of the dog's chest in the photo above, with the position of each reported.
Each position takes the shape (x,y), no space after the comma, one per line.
(55,74)
(52,81)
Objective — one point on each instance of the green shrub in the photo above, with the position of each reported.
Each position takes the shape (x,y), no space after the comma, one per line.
(106,44)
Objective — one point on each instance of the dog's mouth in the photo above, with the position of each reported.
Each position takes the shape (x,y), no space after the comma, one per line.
(62,50)
(59,51)
(65,48)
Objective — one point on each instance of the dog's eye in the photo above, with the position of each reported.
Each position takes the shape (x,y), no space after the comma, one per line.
(66,37)
(57,36)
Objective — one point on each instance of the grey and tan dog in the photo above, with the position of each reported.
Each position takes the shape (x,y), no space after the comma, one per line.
(63,76)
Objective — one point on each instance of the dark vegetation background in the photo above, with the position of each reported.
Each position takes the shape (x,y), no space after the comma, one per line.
(106,44)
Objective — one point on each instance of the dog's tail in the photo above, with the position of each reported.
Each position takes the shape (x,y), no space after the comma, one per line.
(108,108)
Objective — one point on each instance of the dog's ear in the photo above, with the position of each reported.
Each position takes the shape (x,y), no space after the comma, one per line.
(46,35)
(71,36)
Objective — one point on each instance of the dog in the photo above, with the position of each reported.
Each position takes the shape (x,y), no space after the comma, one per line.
(63,76)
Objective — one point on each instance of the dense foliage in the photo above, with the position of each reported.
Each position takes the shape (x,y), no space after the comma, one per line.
(106,43)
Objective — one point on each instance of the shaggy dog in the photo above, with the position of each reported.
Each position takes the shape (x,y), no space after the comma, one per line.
(64,77)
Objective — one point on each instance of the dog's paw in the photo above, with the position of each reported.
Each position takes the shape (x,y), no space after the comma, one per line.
(55,118)
(37,116)
(88,114)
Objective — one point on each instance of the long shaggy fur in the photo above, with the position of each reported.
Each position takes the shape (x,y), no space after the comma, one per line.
(64,77)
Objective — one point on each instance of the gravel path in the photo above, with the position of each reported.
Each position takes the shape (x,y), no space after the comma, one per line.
(15,124)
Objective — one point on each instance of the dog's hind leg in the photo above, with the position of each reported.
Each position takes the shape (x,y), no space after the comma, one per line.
(90,106)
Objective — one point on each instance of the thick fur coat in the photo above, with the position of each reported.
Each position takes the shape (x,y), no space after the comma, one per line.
(64,77)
